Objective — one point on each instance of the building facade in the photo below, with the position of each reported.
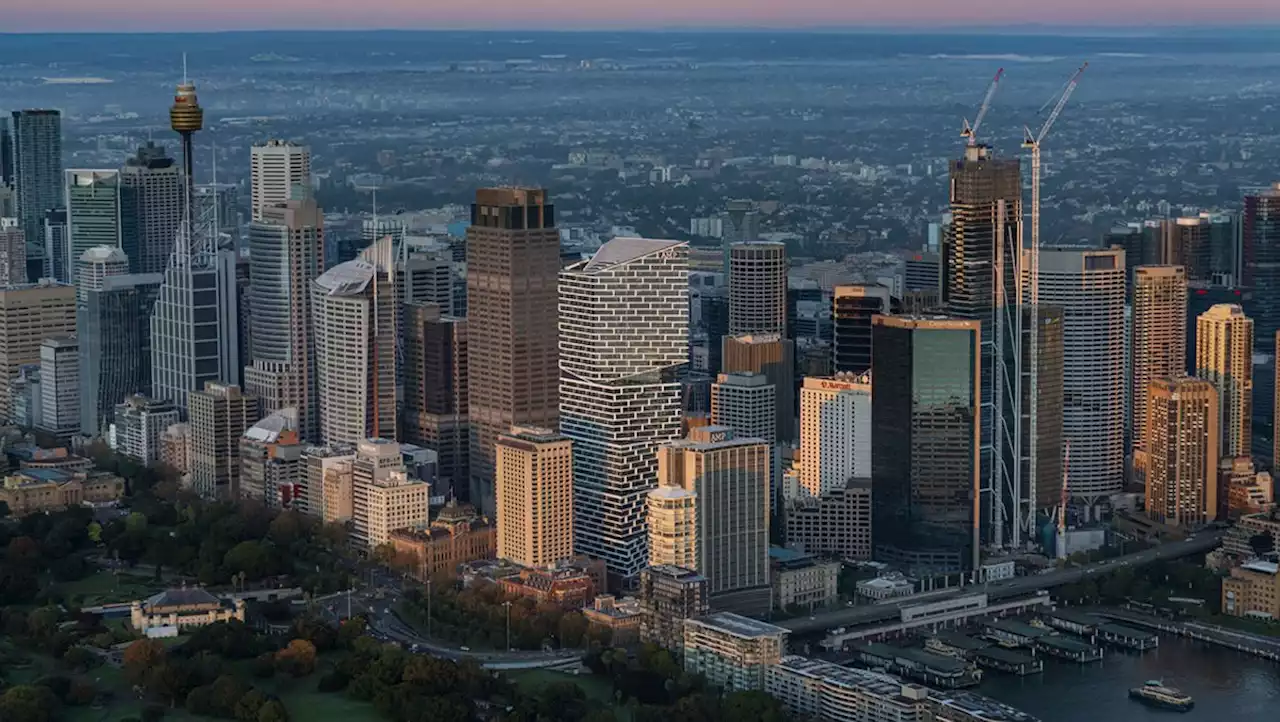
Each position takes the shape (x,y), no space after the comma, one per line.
(60,386)
(1183,441)
(97,213)
(668,596)
(1224,358)
(435,392)
(835,432)
(838,523)
(383,496)
(275,168)
(1158,340)
(140,426)
(37,174)
(219,416)
(113,326)
(534,484)
(624,318)
(152,197)
(772,356)
(732,652)
(852,307)
(30,313)
(758,288)
(271,464)
(513,266)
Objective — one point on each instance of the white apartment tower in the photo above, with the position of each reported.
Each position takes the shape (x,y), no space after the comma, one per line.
(354,319)
(60,386)
(1089,286)
(275,167)
(835,432)
(673,527)
(624,320)
(1224,357)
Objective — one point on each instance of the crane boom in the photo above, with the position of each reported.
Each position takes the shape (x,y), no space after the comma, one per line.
(1062,103)
(971,132)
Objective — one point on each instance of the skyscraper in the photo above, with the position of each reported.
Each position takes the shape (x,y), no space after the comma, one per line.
(383,495)
(534,485)
(1044,486)
(95,213)
(758,288)
(835,432)
(59,387)
(154,201)
(113,323)
(435,392)
(6,154)
(354,322)
(982,259)
(624,318)
(739,223)
(774,357)
(1261,262)
(195,311)
(745,402)
(924,445)
(37,171)
(275,167)
(672,518)
(1159,339)
(30,313)
(1188,241)
(729,477)
(286,249)
(1183,451)
(513,265)
(13,252)
(1224,358)
(852,307)
(52,259)
(220,414)
(1089,287)
(271,464)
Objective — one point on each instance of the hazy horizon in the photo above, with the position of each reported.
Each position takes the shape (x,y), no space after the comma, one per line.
(53,16)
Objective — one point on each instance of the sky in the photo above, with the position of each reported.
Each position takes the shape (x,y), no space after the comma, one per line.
(165,15)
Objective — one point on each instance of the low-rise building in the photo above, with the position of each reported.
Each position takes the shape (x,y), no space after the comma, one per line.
(569,584)
(43,490)
(801,580)
(1237,544)
(622,617)
(1252,590)
(139,426)
(1242,489)
(731,651)
(456,536)
(890,586)
(813,689)
(29,456)
(668,596)
(177,610)
(175,448)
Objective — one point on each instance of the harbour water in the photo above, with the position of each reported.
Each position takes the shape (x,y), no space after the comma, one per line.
(1227,686)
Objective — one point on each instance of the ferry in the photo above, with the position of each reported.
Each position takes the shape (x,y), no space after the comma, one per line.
(1154,693)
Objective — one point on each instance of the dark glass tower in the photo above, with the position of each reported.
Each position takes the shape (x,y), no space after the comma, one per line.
(37,172)
(851,310)
(924,443)
(113,322)
(1261,264)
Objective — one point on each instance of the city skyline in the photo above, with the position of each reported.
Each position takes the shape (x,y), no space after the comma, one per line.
(126,15)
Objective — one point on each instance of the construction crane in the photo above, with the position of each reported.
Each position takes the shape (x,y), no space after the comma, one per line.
(1032,142)
(971,132)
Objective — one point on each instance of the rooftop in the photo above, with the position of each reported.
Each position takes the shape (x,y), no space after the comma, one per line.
(184,597)
(347,279)
(740,626)
(625,250)
(1262,567)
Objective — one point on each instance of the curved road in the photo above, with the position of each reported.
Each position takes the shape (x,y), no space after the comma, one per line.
(869,613)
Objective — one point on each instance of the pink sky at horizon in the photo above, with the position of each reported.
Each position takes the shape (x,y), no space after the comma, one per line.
(152,15)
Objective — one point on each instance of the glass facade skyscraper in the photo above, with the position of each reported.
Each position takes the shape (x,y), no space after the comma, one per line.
(924,442)
(113,323)
(37,171)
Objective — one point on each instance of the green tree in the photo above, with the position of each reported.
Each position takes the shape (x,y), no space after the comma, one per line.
(140,658)
(273,711)
(28,703)
(298,658)
(250,558)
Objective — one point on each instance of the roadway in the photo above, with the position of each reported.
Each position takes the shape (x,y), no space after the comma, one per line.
(871,613)
(386,626)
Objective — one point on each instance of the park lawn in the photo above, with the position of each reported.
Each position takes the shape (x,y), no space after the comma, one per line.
(307,704)
(594,687)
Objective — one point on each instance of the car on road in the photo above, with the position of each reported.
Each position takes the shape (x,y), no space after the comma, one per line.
(465,649)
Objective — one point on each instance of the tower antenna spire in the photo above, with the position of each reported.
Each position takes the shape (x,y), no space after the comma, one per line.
(184,69)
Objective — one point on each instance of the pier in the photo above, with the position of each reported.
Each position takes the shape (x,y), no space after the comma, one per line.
(1004,660)
(1071,649)
(1128,637)
(921,666)
(1072,621)
(1264,647)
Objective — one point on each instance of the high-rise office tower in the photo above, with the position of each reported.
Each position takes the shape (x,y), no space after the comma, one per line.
(1182,445)
(513,266)
(55,239)
(60,387)
(1089,286)
(30,313)
(13,252)
(1188,242)
(6,154)
(220,414)
(195,308)
(353,316)
(1158,339)
(96,214)
(924,443)
(1044,486)
(325,468)
(852,307)
(286,255)
(1203,296)
(1260,246)
(1224,358)
(425,278)
(758,288)
(1224,246)
(384,497)
(435,392)
(835,432)
(745,402)
(37,172)
(729,477)
(275,167)
(624,320)
(922,273)
(739,223)
(113,325)
(534,485)
(773,356)
(154,202)
(271,464)
(982,259)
